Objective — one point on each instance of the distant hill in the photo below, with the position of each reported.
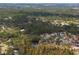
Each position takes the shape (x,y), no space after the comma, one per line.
(39,5)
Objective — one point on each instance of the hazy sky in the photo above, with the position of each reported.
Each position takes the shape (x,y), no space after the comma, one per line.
(39,1)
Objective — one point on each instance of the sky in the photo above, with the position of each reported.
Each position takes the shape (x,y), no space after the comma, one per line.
(39,1)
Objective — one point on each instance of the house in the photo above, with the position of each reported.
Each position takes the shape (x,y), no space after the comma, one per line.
(77,25)
(52,34)
(9,17)
(6,18)
(15,52)
(22,30)
(46,36)
(61,34)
